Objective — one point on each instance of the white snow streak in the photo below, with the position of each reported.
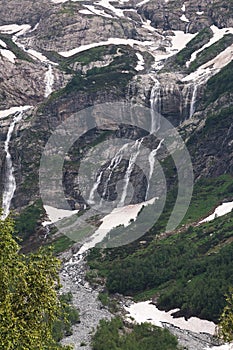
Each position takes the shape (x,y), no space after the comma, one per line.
(221,210)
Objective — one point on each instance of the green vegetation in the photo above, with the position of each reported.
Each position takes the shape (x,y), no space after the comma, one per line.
(28,220)
(61,244)
(219,84)
(98,79)
(106,300)
(196,43)
(67,317)
(207,194)
(20,54)
(188,270)
(115,336)
(29,305)
(226,321)
(210,52)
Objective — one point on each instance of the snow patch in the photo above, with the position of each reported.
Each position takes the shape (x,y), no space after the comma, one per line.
(142,2)
(147,25)
(221,210)
(119,216)
(56,214)
(13,110)
(204,72)
(97,12)
(110,41)
(147,312)
(107,5)
(184,18)
(86,12)
(8,54)
(3,44)
(49,81)
(141,62)
(37,55)
(15,28)
(183,8)
(221,347)
(217,35)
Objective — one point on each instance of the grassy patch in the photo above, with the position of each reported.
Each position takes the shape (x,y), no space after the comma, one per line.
(61,244)
(206,195)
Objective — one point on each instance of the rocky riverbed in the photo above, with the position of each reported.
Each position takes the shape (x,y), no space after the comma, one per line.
(85,299)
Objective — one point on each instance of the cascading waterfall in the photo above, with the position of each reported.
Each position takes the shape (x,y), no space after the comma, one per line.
(111,168)
(152,164)
(155,101)
(10,183)
(193,100)
(134,155)
(49,81)
(91,199)
(190,98)
(155,106)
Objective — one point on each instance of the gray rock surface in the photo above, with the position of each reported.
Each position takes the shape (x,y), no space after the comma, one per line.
(85,299)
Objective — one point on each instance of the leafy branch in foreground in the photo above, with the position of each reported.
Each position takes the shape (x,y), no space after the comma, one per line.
(29,304)
(226,320)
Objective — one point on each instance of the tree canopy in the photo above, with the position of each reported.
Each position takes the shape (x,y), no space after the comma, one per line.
(29,304)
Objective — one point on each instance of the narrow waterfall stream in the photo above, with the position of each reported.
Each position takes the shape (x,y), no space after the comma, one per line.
(49,81)
(10,183)
(193,100)
(155,107)
(135,152)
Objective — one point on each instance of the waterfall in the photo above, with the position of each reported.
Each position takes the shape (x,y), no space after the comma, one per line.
(187,28)
(155,106)
(193,100)
(91,199)
(10,183)
(49,81)
(190,97)
(135,151)
(112,166)
(152,164)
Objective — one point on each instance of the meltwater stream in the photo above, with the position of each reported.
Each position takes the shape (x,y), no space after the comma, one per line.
(49,81)
(10,183)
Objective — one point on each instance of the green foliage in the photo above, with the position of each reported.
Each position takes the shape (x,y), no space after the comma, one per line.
(28,299)
(113,335)
(207,193)
(188,270)
(220,84)
(20,54)
(67,317)
(61,244)
(98,79)
(226,321)
(210,52)
(27,222)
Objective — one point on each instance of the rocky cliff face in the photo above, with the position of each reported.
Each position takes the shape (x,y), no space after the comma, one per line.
(135,54)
